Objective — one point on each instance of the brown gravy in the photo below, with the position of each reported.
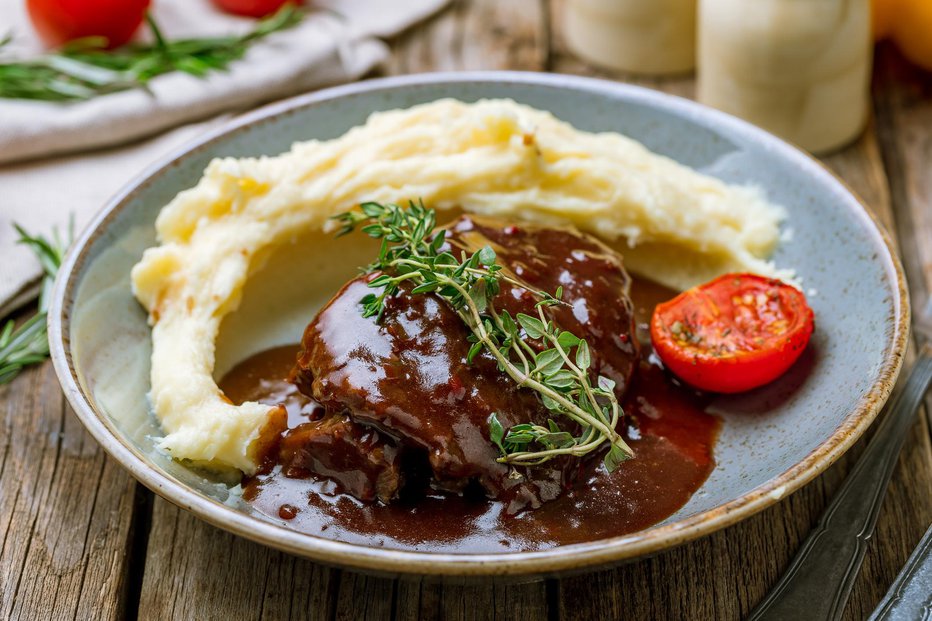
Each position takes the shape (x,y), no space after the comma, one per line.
(673,439)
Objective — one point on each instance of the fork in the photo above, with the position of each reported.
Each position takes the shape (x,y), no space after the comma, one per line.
(817,583)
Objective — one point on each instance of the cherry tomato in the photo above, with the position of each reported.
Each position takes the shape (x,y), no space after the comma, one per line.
(60,21)
(252,8)
(732,334)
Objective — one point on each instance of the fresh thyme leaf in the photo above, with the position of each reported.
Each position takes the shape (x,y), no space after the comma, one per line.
(606,384)
(411,251)
(548,362)
(615,456)
(496,432)
(427,287)
(550,403)
(487,256)
(582,355)
(532,325)
(479,296)
(29,344)
(567,340)
(562,379)
(85,69)
(475,349)
(559,439)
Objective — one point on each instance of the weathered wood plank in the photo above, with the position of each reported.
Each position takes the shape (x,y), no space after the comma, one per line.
(903,516)
(196,571)
(468,603)
(903,103)
(474,602)
(903,100)
(522,601)
(415,601)
(475,35)
(65,510)
(364,598)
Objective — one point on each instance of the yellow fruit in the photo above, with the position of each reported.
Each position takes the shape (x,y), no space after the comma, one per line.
(883,16)
(912,31)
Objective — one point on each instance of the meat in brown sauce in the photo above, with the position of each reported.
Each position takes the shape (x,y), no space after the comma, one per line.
(407,378)
(667,428)
(357,457)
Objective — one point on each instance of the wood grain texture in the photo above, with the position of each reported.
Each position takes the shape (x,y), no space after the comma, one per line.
(904,512)
(65,510)
(196,571)
(903,102)
(428,599)
(475,35)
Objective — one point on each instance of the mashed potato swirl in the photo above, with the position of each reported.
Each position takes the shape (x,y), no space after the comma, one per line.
(492,157)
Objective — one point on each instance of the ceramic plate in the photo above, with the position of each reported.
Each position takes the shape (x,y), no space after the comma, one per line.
(772,441)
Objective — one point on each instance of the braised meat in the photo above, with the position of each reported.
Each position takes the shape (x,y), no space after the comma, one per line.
(595,285)
(407,376)
(359,459)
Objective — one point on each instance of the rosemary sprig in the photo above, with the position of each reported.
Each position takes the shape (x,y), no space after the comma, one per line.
(29,344)
(85,68)
(559,373)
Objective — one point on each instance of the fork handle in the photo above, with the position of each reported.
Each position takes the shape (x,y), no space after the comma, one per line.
(910,597)
(817,583)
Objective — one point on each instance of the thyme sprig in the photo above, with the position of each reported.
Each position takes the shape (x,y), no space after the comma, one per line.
(85,68)
(29,344)
(411,250)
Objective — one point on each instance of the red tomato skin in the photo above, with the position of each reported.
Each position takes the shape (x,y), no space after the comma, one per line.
(743,370)
(60,21)
(253,8)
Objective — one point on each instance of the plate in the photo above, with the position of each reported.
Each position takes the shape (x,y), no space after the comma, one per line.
(773,440)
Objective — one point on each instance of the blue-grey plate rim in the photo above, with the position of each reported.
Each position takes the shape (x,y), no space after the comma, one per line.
(562,559)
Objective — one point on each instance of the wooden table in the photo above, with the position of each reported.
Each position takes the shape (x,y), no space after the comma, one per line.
(79,538)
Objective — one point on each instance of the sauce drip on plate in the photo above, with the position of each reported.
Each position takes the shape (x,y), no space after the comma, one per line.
(671,436)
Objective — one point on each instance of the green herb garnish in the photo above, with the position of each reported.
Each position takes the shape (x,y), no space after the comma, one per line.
(84,69)
(559,374)
(29,344)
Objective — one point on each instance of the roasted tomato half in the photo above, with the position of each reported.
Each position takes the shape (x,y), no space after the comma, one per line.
(732,334)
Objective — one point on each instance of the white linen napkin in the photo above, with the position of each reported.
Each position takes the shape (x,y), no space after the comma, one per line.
(336,44)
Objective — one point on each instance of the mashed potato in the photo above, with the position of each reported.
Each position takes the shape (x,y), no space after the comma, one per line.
(492,157)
